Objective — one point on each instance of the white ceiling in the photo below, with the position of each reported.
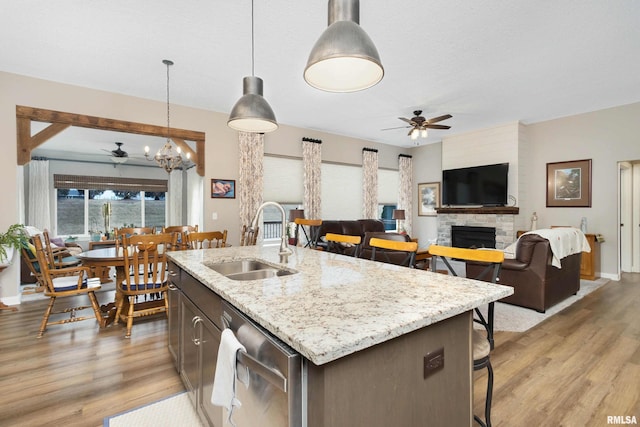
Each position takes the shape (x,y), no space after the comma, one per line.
(485,62)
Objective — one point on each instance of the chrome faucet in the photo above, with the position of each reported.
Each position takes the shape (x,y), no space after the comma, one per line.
(285,251)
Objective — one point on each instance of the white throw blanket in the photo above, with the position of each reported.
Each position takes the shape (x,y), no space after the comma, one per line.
(564,241)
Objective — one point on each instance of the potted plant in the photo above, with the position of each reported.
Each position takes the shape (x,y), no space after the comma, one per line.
(14,239)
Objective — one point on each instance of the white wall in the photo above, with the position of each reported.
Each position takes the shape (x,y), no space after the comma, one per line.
(427,167)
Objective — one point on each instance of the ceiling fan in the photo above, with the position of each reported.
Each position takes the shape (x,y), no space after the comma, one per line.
(418,124)
(118,155)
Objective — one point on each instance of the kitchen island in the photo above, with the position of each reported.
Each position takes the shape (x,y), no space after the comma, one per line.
(365,330)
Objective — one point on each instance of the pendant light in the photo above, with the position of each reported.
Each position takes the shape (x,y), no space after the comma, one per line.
(166,157)
(344,59)
(252,113)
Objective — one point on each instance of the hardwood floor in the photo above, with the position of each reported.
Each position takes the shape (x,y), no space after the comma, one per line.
(78,374)
(575,369)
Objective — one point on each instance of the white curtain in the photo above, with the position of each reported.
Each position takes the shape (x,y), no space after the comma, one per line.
(312,160)
(174,199)
(251,175)
(405,200)
(39,209)
(195,198)
(369,183)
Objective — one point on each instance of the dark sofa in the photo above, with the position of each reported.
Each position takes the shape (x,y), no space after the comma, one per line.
(537,284)
(366,229)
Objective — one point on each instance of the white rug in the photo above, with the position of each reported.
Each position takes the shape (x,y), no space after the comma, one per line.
(512,318)
(174,411)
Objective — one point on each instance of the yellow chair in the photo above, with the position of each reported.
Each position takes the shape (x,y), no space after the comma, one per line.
(391,246)
(314,230)
(482,342)
(207,239)
(62,283)
(341,243)
(145,256)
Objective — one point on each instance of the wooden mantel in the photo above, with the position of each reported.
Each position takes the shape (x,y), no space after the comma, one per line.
(500,210)
(61,121)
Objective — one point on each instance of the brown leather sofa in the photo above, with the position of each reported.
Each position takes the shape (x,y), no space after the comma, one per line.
(536,283)
(357,227)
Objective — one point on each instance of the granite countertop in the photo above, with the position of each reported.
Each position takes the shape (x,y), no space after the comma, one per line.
(337,305)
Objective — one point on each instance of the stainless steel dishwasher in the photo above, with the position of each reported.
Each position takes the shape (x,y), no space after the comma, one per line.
(274,395)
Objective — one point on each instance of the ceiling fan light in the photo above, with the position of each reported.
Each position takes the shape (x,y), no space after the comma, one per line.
(424,133)
(344,59)
(252,113)
(119,159)
(414,134)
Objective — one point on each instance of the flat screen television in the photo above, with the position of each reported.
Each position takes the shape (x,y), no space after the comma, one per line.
(478,185)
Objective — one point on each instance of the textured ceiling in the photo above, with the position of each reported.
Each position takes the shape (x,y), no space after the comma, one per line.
(485,62)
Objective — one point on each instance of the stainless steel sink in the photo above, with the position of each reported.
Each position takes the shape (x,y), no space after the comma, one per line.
(249,269)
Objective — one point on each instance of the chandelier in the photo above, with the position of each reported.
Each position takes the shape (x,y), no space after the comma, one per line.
(166,157)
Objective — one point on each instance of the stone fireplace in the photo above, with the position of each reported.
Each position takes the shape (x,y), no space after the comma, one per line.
(463,236)
(501,218)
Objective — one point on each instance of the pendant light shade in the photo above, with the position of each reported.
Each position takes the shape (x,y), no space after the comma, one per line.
(344,59)
(252,113)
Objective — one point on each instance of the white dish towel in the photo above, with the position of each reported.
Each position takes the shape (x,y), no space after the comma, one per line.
(224,383)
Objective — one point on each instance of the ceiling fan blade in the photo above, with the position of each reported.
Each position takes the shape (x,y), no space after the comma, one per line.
(399,127)
(406,120)
(409,134)
(437,126)
(439,119)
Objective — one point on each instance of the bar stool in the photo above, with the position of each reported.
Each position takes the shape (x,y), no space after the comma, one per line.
(389,246)
(482,343)
(339,243)
(314,230)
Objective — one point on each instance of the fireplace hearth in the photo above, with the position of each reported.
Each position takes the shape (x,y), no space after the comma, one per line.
(473,237)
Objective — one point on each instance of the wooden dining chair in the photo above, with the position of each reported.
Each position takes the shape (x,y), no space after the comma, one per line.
(249,236)
(62,283)
(182,231)
(207,239)
(381,250)
(343,244)
(30,258)
(482,342)
(314,230)
(59,257)
(146,257)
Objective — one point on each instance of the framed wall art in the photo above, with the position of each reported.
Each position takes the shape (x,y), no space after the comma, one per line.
(223,188)
(569,184)
(428,198)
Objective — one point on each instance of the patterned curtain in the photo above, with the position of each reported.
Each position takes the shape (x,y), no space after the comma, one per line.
(312,162)
(405,200)
(39,210)
(250,178)
(370,183)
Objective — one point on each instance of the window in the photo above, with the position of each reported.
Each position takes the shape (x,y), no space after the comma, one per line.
(81,201)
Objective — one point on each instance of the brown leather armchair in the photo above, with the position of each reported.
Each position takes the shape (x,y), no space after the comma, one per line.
(537,284)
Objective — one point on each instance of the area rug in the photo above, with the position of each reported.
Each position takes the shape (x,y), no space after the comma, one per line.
(512,318)
(174,411)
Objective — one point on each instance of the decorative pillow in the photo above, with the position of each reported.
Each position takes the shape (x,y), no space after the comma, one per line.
(57,242)
(32,249)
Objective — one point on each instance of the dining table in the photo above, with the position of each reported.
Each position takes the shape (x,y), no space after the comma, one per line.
(99,260)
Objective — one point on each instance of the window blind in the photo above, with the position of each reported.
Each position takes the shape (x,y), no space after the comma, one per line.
(109,183)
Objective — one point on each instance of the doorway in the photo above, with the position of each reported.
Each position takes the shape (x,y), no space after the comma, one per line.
(629,216)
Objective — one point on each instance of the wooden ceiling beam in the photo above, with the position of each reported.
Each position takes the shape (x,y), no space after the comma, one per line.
(61,120)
